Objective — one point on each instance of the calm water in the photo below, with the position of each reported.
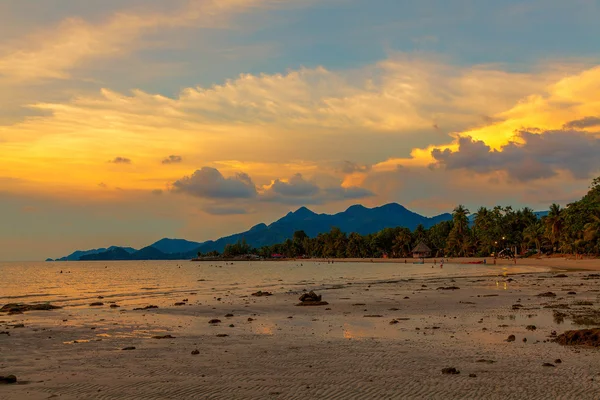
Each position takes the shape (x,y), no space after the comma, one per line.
(140,282)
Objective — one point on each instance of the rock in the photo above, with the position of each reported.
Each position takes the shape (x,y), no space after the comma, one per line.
(450,371)
(511,338)
(250,319)
(472,376)
(310,296)
(231,325)
(228,315)
(583,337)
(15,326)
(8,379)
(558,361)
(195,352)
(18,308)
(448,288)
(179,303)
(163,337)
(222,335)
(547,294)
(145,308)
(486,361)
(394,321)
(372,316)
(96,304)
(531,327)
(5,333)
(114,306)
(128,348)
(260,293)
(561,276)
(214,321)
(524,340)
(547,365)
(517,306)
(311,299)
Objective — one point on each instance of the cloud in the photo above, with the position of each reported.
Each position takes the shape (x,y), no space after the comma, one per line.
(583,123)
(349,167)
(52,53)
(297,190)
(172,160)
(296,186)
(121,160)
(209,183)
(534,156)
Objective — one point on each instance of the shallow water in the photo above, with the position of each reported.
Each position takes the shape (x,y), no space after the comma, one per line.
(142,282)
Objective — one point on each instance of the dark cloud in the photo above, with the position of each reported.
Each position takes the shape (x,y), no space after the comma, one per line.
(121,160)
(298,191)
(172,159)
(210,183)
(583,123)
(297,186)
(349,167)
(539,156)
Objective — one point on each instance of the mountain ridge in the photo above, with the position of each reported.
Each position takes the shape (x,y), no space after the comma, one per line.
(356,218)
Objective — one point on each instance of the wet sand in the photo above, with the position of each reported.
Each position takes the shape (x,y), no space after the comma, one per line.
(348,349)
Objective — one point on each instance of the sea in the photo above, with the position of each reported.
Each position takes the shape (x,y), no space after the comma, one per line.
(76,284)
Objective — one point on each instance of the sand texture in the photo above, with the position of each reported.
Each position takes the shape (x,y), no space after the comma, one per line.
(387,340)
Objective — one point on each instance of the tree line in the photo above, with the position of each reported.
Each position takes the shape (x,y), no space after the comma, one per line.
(574,229)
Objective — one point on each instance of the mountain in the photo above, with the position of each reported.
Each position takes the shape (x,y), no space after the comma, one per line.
(120,254)
(356,218)
(76,255)
(175,245)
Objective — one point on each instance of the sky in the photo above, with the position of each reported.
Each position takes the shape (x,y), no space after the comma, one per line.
(125,121)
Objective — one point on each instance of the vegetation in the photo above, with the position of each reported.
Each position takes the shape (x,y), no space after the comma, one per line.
(574,229)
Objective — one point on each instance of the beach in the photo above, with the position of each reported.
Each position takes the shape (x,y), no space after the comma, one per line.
(385,333)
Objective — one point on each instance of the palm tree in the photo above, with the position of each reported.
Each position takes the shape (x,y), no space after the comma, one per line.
(554,224)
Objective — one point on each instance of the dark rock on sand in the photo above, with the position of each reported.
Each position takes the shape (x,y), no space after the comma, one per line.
(486,361)
(582,337)
(163,337)
(548,365)
(17,308)
(572,293)
(195,352)
(511,338)
(311,299)
(372,316)
(8,379)
(531,327)
(561,276)
(228,315)
(450,371)
(179,303)
(145,308)
(448,288)
(114,306)
(260,293)
(558,361)
(547,294)
(214,321)
(472,376)
(250,319)
(5,333)
(128,348)
(96,304)
(394,322)
(222,335)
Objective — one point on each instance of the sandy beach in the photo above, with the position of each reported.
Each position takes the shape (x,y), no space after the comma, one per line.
(388,339)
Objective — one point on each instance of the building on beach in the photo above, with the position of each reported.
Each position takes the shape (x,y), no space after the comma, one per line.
(421,251)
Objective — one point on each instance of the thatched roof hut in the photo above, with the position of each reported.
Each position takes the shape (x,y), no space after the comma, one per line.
(421,250)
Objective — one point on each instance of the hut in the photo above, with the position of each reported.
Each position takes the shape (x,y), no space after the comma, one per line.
(421,251)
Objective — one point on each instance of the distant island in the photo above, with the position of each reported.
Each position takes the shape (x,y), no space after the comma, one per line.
(392,231)
(357,218)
